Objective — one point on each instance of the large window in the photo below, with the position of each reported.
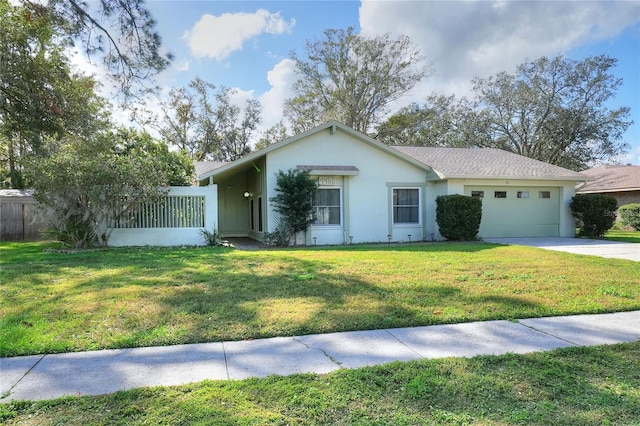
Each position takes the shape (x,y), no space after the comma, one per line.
(406,205)
(326,204)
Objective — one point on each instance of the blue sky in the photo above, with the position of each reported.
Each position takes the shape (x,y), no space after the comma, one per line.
(246,45)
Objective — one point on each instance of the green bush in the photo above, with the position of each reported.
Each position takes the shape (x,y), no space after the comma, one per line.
(458,216)
(595,213)
(211,238)
(294,201)
(281,235)
(630,215)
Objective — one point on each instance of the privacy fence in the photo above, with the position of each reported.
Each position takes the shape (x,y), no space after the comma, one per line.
(176,219)
(19,220)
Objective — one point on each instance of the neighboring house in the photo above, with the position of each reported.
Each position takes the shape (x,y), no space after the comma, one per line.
(202,167)
(370,192)
(621,182)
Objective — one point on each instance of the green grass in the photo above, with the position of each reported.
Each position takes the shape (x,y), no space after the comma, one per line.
(625,236)
(57,302)
(572,386)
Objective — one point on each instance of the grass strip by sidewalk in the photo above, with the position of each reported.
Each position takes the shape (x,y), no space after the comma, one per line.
(57,302)
(623,236)
(571,386)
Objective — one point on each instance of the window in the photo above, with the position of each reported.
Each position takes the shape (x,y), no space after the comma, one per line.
(253,216)
(406,205)
(326,204)
(544,194)
(500,194)
(523,194)
(259,214)
(477,194)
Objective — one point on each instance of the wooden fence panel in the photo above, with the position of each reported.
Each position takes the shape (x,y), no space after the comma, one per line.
(19,221)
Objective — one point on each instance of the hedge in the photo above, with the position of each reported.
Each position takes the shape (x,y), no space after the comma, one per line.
(595,213)
(458,216)
(630,215)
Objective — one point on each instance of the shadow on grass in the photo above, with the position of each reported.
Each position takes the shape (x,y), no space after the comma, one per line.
(149,296)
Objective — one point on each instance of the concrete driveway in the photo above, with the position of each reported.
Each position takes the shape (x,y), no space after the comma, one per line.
(602,248)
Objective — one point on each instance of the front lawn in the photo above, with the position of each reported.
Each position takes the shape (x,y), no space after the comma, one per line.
(571,386)
(55,302)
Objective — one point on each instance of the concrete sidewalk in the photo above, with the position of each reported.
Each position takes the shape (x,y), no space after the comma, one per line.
(100,372)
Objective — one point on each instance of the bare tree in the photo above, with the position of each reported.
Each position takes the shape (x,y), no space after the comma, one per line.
(352,79)
(202,120)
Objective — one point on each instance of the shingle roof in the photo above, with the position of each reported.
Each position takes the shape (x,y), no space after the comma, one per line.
(612,178)
(489,163)
(16,193)
(203,167)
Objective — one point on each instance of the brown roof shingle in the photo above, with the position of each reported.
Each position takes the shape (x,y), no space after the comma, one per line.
(612,178)
(489,163)
(202,167)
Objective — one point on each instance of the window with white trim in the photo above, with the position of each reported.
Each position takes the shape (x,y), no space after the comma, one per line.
(406,205)
(327,206)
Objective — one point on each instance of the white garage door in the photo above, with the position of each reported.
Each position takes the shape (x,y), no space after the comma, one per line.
(518,211)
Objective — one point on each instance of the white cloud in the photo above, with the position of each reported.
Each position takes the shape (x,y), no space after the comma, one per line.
(181,66)
(218,36)
(462,40)
(281,79)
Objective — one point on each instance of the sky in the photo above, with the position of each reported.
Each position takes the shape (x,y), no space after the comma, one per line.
(247,45)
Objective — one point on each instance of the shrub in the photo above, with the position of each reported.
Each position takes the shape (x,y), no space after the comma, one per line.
(294,199)
(595,213)
(458,216)
(630,215)
(211,238)
(281,236)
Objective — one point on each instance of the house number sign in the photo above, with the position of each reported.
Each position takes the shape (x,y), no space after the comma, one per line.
(327,180)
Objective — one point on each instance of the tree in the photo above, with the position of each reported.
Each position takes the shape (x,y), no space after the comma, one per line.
(294,200)
(555,110)
(202,120)
(86,184)
(274,134)
(352,79)
(122,32)
(595,213)
(440,121)
(40,96)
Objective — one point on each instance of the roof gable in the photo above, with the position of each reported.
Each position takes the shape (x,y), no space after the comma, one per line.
(332,127)
(612,178)
(491,163)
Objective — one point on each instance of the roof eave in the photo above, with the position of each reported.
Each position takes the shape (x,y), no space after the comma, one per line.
(330,125)
(511,177)
(593,191)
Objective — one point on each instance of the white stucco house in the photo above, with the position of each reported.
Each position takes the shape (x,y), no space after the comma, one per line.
(371,192)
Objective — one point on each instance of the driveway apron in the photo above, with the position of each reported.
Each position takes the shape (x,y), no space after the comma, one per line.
(591,247)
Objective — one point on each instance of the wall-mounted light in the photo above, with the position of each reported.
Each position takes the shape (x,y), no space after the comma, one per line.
(246,194)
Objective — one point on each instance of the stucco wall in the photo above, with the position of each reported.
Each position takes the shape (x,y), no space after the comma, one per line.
(172,236)
(566,192)
(366,197)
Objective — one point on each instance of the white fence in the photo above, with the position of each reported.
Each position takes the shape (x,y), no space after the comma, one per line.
(176,219)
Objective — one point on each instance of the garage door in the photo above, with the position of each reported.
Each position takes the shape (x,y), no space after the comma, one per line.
(518,212)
